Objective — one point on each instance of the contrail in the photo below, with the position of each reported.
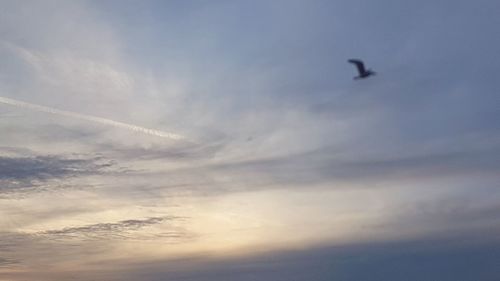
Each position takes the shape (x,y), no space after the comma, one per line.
(95,119)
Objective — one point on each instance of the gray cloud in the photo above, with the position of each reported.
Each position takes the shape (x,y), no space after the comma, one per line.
(126,229)
(19,172)
(44,167)
(4,262)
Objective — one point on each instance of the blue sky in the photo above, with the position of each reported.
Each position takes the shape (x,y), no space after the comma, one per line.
(197,140)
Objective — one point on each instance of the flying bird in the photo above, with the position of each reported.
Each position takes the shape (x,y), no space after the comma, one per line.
(363,73)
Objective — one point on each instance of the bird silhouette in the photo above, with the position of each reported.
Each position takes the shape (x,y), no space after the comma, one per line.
(363,73)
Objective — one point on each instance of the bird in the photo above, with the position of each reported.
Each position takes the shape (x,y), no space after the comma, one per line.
(363,73)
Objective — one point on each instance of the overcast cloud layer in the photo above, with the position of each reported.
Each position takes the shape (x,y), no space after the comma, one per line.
(227,140)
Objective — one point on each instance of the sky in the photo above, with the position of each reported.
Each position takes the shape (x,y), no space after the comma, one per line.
(227,140)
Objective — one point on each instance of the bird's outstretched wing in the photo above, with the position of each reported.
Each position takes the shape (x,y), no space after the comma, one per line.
(359,64)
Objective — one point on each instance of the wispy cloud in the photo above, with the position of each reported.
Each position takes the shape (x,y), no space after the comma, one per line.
(126,229)
(95,119)
(42,167)
(22,173)
(7,262)
(199,127)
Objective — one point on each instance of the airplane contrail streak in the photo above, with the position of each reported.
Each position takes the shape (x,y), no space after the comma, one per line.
(90,118)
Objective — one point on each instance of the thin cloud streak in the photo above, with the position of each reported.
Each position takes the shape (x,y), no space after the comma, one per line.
(126,229)
(100,120)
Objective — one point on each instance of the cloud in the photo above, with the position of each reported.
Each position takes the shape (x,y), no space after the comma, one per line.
(51,247)
(126,229)
(7,262)
(24,173)
(329,166)
(42,167)
(95,119)
(286,143)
